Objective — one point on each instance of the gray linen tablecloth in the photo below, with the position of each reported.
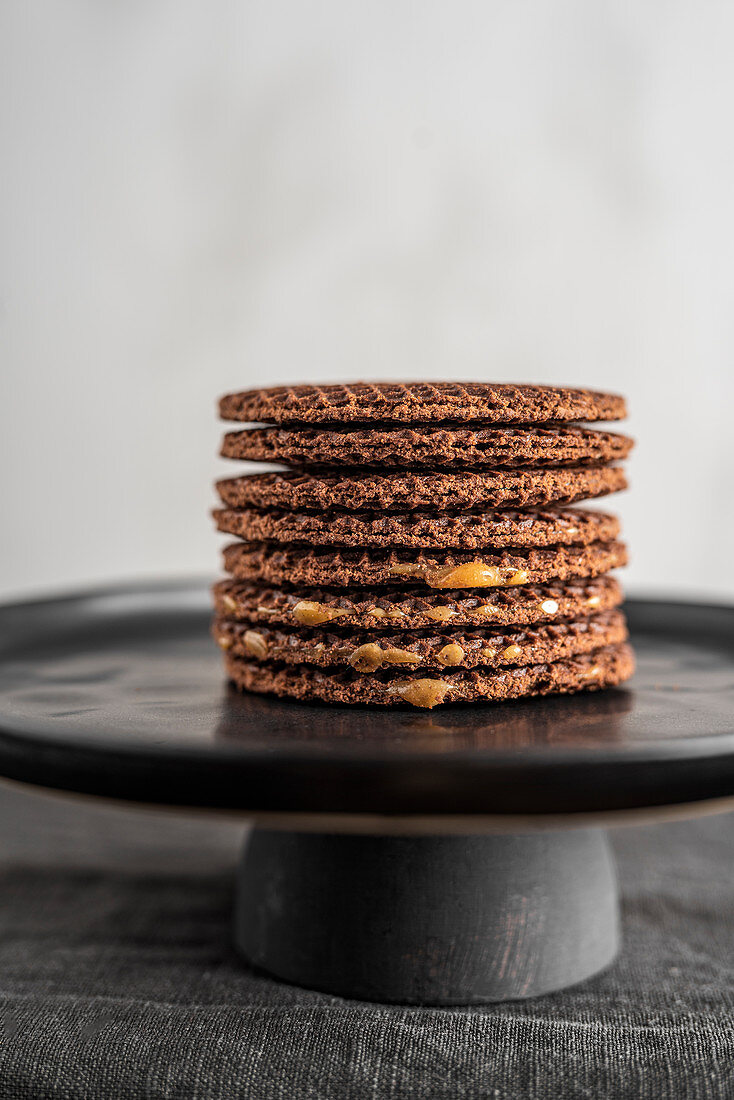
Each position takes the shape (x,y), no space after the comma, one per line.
(117,980)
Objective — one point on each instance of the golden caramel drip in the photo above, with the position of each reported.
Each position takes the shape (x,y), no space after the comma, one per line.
(407,570)
(471,574)
(451,654)
(440,614)
(309,613)
(370,657)
(421,693)
(255,644)
(487,609)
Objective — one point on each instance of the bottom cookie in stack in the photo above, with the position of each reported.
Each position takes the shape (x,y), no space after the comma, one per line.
(602,668)
(396,647)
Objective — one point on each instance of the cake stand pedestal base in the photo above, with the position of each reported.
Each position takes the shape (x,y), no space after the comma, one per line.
(428,920)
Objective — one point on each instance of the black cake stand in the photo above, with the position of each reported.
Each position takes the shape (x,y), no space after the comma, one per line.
(451,856)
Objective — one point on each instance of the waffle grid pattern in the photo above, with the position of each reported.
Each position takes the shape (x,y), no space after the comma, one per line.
(420,402)
(489,648)
(435,447)
(409,490)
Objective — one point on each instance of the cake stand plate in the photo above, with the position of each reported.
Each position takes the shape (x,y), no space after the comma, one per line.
(399,855)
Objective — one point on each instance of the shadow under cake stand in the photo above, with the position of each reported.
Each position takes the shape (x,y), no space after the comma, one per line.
(440,857)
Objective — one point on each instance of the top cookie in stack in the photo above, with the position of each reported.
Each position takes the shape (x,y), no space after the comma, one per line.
(421,549)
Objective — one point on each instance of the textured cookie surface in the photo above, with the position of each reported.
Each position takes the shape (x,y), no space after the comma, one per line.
(374,650)
(423,568)
(428,446)
(411,490)
(465,531)
(420,402)
(602,668)
(392,609)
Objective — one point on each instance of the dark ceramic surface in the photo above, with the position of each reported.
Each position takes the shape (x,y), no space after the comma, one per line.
(119,692)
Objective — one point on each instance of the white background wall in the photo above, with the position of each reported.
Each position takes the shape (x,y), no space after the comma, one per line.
(197,197)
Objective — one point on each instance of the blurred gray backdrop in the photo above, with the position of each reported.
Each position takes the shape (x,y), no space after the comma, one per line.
(204,196)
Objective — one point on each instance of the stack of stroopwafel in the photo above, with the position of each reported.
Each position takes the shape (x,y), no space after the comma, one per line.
(421,548)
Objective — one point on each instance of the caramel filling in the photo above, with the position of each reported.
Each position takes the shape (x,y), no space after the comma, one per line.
(407,570)
(255,644)
(512,652)
(440,614)
(472,574)
(369,657)
(421,693)
(309,613)
(451,654)
(488,609)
